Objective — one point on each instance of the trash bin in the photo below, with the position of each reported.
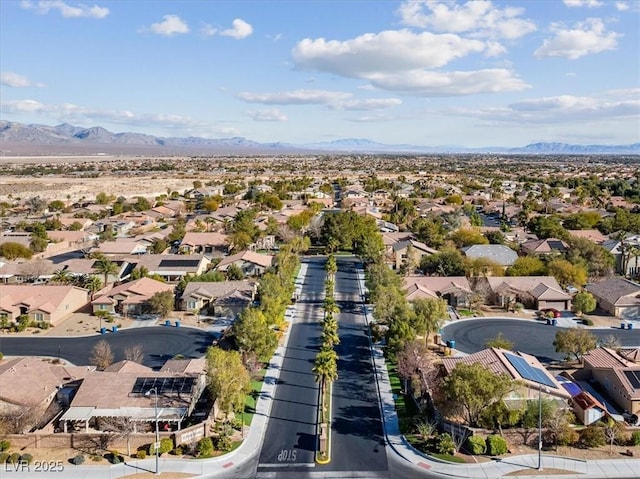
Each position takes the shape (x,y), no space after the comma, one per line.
(630,326)
(114,329)
(103,330)
(622,325)
(452,344)
(548,321)
(554,322)
(177,324)
(167,322)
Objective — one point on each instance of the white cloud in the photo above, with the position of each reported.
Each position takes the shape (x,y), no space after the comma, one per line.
(208,30)
(477,17)
(622,6)
(583,3)
(609,106)
(68,11)
(268,115)
(585,38)
(295,97)
(436,84)
(170,25)
(389,50)
(368,104)
(17,81)
(239,30)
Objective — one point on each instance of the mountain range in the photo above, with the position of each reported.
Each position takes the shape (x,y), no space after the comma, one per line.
(20,139)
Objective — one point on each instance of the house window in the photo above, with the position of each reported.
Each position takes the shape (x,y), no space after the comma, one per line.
(38,316)
(102,307)
(191,304)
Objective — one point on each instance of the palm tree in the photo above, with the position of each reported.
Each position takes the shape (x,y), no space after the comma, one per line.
(62,276)
(105,266)
(330,332)
(325,367)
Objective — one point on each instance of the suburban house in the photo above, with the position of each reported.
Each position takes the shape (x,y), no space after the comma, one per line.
(617,375)
(617,296)
(48,303)
(455,290)
(588,409)
(130,298)
(103,396)
(531,376)
(172,267)
(31,271)
(212,244)
(410,252)
(224,298)
(500,254)
(120,248)
(536,292)
(627,255)
(35,384)
(81,266)
(544,247)
(251,263)
(592,235)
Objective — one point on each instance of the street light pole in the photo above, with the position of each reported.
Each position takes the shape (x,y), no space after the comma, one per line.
(540,428)
(157,443)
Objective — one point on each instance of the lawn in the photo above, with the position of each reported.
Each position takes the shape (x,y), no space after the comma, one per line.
(252,397)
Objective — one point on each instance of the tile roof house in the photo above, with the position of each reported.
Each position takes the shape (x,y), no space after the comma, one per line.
(521,367)
(120,248)
(537,292)
(171,267)
(454,289)
(251,263)
(500,254)
(544,246)
(224,298)
(48,303)
(592,235)
(32,382)
(618,377)
(130,298)
(410,252)
(213,244)
(617,296)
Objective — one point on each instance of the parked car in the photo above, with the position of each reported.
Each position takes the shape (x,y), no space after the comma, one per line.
(549,312)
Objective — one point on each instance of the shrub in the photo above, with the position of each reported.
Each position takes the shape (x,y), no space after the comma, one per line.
(205,447)
(568,436)
(114,457)
(496,445)
(166,445)
(26,458)
(446,444)
(14,458)
(592,436)
(223,442)
(77,460)
(141,454)
(3,457)
(4,444)
(587,322)
(177,451)
(635,438)
(476,445)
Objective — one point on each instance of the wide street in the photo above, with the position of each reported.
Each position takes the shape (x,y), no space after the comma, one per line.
(532,337)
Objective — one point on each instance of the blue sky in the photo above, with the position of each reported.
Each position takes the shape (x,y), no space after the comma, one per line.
(466,73)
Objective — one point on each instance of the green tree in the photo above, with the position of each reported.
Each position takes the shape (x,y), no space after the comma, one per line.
(235,273)
(12,250)
(500,341)
(325,367)
(448,262)
(430,231)
(547,227)
(467,237)
(162,303)
(584,252)
(584,302)
(229,381)
(567,273)
(253,334)
(527,266)
(574,342)
(429,315)
(106,267)
(56,205)
(473,388)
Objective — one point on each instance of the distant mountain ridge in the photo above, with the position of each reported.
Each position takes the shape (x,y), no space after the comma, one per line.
(19,137)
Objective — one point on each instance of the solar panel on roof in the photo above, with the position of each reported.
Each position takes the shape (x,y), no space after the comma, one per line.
(179,263)
(555,244)
(633,377)
(178,385)
(526,371)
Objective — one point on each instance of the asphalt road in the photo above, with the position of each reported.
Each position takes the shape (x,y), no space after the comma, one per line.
(290,439)
(531,337)
(158,343)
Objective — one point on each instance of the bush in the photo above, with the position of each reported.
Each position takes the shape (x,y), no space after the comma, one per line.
(476,445)
(14,458)
(223,442)
(446,444)
(114,457)
(166,445)
(177,451)
(496,445)
(3,457)
(205,447)
(635,438)
(592,436)
(587,322)
(568,436)
(141,454)
(4,444)
(26,458)
(77,460)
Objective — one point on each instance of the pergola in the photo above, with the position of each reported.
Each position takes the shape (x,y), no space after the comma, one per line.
(136,414)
